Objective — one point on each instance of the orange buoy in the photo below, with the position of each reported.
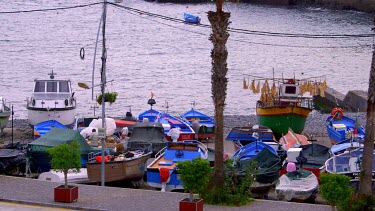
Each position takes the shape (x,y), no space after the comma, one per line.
(337,113)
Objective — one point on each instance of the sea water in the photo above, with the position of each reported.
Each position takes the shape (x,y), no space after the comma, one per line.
(172,59)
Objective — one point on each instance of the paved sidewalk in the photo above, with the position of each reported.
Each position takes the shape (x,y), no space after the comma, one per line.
(90,197)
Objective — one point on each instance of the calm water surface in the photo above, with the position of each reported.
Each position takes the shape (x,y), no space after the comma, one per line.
(170,59)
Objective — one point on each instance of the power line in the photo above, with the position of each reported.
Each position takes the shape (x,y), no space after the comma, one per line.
(140,12)
(251,32)
(50,9)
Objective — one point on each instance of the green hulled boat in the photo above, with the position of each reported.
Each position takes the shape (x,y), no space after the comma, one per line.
(284,105)
(4,114)
(280,118)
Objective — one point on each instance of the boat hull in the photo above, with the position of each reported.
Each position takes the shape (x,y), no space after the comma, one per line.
(4,118)
(280,119)
(129,169)
(339,130)
(167,161)
(64,116)
(206,123)
(301,189)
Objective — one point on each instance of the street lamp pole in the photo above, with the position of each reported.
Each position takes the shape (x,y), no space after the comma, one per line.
(103,82)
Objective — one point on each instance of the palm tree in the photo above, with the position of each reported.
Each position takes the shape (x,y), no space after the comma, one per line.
(368,149)
(219,23)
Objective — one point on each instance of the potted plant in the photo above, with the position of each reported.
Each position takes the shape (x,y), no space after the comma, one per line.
(109,97)
(63,158)
(193,175)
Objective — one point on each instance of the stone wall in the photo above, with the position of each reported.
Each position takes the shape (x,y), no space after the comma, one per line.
(360,5)
(353,101)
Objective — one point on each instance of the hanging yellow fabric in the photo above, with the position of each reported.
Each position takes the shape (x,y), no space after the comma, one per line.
(274,90)
(257,90)
(263,97)
(244,84)
(252,86)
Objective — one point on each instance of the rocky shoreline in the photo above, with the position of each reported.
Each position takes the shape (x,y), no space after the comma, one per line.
(315,126)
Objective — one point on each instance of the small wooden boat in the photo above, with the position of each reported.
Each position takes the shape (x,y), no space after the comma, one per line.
(250,150)
(129,166)
(349,163)
(298,185)
(43,127)
(162,172)
(206,124)
(189,18)
(341,127)
(293,140)
(241,136)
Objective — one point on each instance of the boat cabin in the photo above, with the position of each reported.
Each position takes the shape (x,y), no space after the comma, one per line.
(52,89)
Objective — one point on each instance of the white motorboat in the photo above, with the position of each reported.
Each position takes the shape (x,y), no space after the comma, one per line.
(73,176)
(51,100)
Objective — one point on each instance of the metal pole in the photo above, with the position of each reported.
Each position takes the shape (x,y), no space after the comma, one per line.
(12,125)
(103,82)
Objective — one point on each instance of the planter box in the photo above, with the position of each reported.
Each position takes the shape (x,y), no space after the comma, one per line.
(195,205)
(68,195)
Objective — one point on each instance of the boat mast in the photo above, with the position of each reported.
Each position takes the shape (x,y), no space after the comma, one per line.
(103,82)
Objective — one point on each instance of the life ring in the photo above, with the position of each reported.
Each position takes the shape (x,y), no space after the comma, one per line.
(337,113)
(82,53)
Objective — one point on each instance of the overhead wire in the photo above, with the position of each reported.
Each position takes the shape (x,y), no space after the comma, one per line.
(140,12)
(252,32)
(231,29)
(50,9)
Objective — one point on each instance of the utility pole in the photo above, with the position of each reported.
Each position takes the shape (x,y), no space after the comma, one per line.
(103,83)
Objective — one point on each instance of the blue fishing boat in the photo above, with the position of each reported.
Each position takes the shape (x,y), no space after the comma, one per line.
(206,124)
(189,18)
(267,161)
(341,128)
(244,135)
(344,146)
(162,172)
(350,164)
(252,149)
(172,125)
(43,127)
(149,115)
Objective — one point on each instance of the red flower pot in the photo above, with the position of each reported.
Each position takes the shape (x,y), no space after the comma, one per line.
(63,194)
(195,205)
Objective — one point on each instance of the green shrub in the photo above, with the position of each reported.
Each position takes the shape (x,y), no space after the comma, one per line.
(237,186)
(335,188)
(194,175)
(65,157)
(356,202)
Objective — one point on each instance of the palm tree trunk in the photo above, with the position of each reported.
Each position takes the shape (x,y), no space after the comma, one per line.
(219,22)
(365,187)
